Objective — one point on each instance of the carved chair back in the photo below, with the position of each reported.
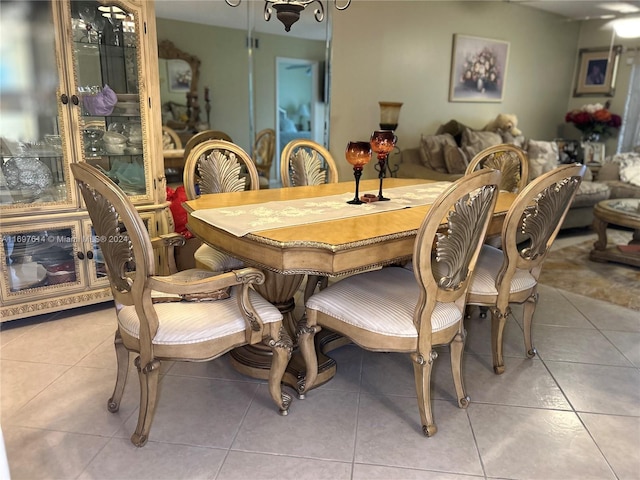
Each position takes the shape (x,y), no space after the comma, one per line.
(305,162)
(170,139)
(537,213)
(218,166)
(203,137)
(264,149)
(512,161)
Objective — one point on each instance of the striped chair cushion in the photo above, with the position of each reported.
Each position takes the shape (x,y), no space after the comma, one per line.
(215,260)
(381,301)
(195,322)
(486,272)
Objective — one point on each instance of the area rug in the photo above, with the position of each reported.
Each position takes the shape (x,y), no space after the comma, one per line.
(570,269)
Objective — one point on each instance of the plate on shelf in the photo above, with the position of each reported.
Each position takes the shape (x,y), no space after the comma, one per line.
(128,97)
(127,108)
(25,275)
(27,174)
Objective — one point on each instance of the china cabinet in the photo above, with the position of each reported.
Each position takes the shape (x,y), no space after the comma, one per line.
(83,88)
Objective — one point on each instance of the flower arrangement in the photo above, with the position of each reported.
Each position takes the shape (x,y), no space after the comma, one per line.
(595,121)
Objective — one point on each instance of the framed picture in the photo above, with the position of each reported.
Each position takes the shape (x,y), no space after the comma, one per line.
(593,153)
(478,69)
(597,70)
(179,75)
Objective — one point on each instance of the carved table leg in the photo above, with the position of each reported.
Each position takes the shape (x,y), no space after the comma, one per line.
(255,360)
(600,227)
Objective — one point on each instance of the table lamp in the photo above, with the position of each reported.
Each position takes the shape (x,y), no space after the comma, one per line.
(389,113)
(303,117)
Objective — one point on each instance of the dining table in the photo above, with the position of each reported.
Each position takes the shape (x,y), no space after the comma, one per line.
(279,231)
(173,158)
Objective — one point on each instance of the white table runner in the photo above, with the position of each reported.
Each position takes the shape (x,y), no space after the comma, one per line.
(245,219)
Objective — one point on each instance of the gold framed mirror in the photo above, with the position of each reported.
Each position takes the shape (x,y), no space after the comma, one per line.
(179,76)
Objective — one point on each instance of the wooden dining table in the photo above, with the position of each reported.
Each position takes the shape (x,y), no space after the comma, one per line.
(173,158)
(333,248)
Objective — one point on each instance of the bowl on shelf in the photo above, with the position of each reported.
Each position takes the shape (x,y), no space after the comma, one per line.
(114,138)
(115,148)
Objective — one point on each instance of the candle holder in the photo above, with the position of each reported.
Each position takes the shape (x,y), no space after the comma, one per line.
(358,154)
(382,143)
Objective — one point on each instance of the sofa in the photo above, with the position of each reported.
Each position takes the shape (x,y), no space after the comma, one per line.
(445,155)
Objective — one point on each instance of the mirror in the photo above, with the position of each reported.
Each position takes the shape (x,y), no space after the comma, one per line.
(179,73)
(239,52)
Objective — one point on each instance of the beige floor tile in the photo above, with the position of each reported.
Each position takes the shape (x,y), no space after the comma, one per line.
(576,345)
(20,382)
(122,460)
(628,343)
(479,337)
(599,389)
(390,434)
(349,368)
(77,402)
(516,442)
(618,439)
(376,472)
(323,426)
(244,465)
(35,454)
(199,411)
(606,316)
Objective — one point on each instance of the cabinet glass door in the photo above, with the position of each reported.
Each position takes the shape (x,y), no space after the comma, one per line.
(106,51)
(33,145)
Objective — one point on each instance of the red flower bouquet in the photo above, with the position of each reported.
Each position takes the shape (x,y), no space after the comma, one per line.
(595,121)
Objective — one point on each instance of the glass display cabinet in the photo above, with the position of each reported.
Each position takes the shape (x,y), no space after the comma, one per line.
(83,88)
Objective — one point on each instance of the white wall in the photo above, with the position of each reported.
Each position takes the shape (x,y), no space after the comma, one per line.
(401,51)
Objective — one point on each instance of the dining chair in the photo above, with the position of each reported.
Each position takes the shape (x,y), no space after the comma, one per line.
(203,137)
(305,162)
(394,309)
(510,274)
(264,149)
(170,138)
(218,166)
(193,315)
(511,160)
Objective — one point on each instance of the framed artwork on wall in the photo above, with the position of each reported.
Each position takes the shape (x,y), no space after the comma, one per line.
(179,75)
(478,69)
(597,69)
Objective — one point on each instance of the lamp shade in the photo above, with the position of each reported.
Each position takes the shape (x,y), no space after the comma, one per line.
(389,114)
(303,110)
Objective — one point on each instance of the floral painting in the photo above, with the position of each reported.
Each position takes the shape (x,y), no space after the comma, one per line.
(478,69)
(179,75)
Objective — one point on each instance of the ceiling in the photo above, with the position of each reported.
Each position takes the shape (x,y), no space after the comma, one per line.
(219,13)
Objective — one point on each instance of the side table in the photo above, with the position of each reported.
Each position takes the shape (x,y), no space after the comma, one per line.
(624,212)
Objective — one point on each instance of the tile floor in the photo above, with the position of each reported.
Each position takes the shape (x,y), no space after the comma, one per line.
(572,412)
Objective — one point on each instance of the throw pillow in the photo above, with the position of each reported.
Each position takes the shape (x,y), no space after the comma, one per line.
(543,157)
(630,170)
(287,126)
(476,141)
(455,159)
(432,151)
(509,138)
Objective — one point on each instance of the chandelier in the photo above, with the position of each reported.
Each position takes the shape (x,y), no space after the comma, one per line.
(288,11)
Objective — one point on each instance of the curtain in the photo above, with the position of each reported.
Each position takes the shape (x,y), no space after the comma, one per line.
(630,132)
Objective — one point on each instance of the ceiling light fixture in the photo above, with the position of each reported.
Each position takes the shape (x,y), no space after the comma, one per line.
(288,11)
(627,27)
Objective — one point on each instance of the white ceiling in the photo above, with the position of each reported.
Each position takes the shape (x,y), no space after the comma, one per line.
(217,12)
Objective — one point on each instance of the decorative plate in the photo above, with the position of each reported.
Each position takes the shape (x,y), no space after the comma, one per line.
(27,174)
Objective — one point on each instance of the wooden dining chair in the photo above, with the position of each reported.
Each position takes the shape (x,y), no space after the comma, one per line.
(170,139)
(394,309)
(203,137)
(510,274)
(305,162)
(218,166)
(193,315)
(264,149)
(511,160)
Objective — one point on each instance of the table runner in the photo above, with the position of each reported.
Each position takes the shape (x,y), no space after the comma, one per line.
(245,219)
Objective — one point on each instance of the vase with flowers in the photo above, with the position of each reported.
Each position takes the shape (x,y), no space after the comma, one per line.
(595,121)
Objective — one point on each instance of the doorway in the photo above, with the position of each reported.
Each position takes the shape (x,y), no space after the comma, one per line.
(300,108)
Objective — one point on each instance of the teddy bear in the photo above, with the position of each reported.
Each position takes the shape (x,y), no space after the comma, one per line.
(505,122)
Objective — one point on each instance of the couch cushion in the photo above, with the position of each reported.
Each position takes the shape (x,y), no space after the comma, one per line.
(455,159)
(510,139)
(590,193)
(473,141)
(432,150)
(543,157)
